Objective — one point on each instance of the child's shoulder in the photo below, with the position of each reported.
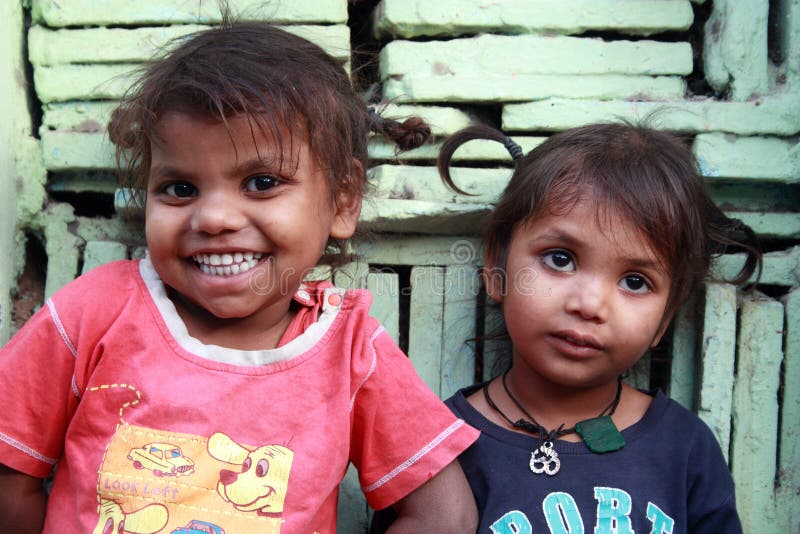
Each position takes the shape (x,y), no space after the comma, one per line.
(667,421)
(106,284)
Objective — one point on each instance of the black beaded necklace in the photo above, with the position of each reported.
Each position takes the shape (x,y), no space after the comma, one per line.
(600,434)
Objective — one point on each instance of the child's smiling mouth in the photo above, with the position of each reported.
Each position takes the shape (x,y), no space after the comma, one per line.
(227,264)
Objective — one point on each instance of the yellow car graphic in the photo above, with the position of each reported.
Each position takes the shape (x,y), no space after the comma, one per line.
(163,459)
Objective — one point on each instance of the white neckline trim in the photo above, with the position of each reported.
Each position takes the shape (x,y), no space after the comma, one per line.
(177,328)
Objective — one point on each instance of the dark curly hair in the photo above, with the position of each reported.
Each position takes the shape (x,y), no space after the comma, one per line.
(279,80)
(645,175)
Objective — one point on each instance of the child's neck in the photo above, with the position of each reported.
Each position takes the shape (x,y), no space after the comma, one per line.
(553,404)
(260,331)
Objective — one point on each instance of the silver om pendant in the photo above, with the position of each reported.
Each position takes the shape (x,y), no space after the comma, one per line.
(545,460)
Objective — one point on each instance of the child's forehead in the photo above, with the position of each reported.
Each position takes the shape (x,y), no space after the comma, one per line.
(270,139)
(261,126)
(182,141)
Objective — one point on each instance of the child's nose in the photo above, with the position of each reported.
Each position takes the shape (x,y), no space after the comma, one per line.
(217,213)
(590,298)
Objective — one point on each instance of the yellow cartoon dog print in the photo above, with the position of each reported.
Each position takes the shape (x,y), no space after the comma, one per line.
(262,480)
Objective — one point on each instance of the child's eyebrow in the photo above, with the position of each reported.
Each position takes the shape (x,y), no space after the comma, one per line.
(242,168)
(259,165)
(161,170)
(561,237)
(572,241)
(645,263)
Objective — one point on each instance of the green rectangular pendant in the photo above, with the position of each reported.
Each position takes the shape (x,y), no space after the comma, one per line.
(600,434)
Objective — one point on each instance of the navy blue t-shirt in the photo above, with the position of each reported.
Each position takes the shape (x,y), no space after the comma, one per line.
(670,477)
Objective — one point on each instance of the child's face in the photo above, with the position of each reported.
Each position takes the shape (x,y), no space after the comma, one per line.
(226,228)
(584,298)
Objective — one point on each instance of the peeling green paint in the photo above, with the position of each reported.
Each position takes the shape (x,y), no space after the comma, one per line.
(21,173)
(90,12)
(413,18)
(735,48)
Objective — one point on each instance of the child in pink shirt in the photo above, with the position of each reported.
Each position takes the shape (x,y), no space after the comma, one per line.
(211,385)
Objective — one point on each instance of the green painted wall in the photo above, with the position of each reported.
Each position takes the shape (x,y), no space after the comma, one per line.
(528,67)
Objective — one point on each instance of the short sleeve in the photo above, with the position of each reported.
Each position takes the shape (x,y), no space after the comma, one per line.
(402,433)
(44,366)
(36,391)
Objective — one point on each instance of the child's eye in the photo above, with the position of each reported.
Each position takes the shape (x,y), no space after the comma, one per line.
(262,182)
(180,190)
(559,260)
(635,283)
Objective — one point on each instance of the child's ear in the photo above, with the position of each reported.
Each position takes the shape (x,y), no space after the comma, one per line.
(347,203)
(493,279)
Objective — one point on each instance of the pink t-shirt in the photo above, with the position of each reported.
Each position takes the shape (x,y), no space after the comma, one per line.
(151,427)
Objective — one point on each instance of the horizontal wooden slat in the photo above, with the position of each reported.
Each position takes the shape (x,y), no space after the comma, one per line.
(77,116)
(420,216)
(63,151)
(58,13)
(413,18)
(83,82)
(755,196)
(777,115)
(93,116)
(499,54)
(412,250)
(478,150)
(72,70)
(122,45)
(443,120)
(101,45)
(515,87)
(780,225)
(767,158)
(423,183)
(781,268)
(84,182)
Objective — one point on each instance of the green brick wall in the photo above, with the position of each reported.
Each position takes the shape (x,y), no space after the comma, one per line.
(725,73)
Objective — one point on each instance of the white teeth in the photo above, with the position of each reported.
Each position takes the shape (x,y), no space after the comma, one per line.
(227,264)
